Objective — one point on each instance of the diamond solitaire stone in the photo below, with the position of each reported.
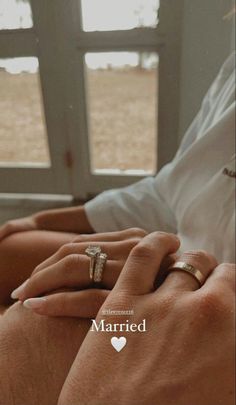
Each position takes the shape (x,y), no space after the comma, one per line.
(93,251)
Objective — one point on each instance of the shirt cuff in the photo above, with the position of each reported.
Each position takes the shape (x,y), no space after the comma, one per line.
(99,212)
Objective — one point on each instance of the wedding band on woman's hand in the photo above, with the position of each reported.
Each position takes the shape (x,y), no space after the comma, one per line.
(99,267)
(97,263)
(92,252)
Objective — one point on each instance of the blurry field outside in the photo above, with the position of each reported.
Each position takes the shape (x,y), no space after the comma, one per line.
(22,130)
(122,119)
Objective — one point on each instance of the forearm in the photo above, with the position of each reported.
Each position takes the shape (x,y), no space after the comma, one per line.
(72,219)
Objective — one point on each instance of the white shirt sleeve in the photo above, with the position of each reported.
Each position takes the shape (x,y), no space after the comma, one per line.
(139,205)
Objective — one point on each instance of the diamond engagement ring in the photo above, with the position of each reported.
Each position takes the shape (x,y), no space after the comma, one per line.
(92,252)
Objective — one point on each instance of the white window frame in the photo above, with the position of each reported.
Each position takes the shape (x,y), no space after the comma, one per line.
(59,42)
(166,41)
(40,178)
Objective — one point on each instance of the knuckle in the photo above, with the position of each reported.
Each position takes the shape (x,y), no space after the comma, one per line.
(66,249)
(138,232)
(226,274)
(201,256)
(163,237)
(72,260)
(141,251)
(211,304)
(227,267)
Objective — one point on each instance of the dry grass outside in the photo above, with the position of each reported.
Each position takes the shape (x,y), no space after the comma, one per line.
(22,130)
(122,119)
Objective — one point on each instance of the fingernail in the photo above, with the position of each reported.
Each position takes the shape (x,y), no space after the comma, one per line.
(17,292)
(34,303)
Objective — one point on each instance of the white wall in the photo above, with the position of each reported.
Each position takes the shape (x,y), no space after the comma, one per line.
(207,41)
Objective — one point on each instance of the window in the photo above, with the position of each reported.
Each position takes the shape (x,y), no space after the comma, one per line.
(111,15)
(33,148)
(122,111)
(91,87)
(15,14)
(22,132)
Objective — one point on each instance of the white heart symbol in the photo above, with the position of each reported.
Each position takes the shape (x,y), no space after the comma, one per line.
(118,343)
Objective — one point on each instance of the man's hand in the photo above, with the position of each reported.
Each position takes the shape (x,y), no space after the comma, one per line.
(186,356)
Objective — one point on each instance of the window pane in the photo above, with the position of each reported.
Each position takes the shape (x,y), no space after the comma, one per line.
(22,130)
(15,14)
(122,110)
(108,15)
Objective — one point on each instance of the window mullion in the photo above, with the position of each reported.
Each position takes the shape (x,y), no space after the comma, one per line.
(139,38)
(53,59)
(14,43)
(171,24)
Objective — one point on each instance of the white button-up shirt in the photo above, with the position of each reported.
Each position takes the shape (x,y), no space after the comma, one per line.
(193,195)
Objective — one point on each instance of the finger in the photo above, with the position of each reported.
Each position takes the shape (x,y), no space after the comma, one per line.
(112,236)
(82,304)
(5,230)
(142,266)
(180,280)
(222,275)
(70,272)
(163,271)
(114,250)
(14,226)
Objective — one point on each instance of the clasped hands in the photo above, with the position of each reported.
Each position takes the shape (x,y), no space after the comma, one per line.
(186,355)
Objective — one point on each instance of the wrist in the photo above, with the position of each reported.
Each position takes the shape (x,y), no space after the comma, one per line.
(83,221)
(40,219)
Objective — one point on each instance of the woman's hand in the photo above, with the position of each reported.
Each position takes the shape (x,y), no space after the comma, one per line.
(68,270)
(18,225)
(186,354)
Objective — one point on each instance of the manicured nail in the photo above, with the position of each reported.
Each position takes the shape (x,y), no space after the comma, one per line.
(17,292)
(34,303)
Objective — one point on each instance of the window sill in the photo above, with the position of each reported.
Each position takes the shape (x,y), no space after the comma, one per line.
(20,205)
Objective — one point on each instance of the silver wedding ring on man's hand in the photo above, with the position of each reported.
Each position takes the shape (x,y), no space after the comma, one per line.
(97,264)
(188,268)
